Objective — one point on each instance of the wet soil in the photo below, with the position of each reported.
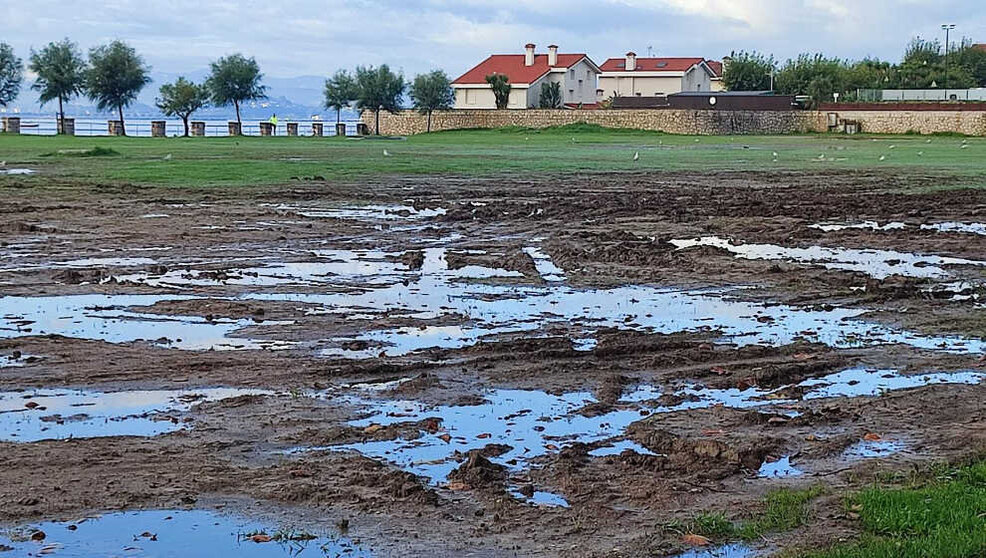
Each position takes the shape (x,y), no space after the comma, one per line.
(663,378)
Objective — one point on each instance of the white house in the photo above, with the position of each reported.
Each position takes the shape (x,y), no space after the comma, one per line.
(526,72)
(652,77)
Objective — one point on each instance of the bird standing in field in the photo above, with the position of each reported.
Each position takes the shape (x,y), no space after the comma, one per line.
(167,157)
(636,156)
(386,153)
(3,164)
(882,157)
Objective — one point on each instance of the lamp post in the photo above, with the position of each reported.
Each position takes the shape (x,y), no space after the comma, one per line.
(947,27)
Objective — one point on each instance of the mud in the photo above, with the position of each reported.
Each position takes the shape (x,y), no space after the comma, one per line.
(448,366)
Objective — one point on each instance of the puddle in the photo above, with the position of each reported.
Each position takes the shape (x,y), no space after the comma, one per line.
(47,414)
(86,263)
(155,216)
(17,171)
(780,469)
(945,227)
(878,264)
(726,551)
(545,267)
(541,499)
(174,534)
(106,318)
(365,212)
(532,424)
(871,225)
(872,449)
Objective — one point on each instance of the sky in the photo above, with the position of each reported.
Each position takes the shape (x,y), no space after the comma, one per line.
(317,37)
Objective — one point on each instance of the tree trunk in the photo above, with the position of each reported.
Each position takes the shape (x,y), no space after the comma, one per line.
(184,119)
(61,116)
(238,121)
(123,127)
(429,121)
(338,115)
(377,115)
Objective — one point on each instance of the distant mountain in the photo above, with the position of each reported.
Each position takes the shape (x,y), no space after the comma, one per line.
(297,98)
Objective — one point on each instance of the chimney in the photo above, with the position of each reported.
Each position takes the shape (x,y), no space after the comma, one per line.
(552,55)
(529,54)
(631,63)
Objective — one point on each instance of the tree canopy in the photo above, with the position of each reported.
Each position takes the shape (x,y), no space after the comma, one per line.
(115,77)
(379,89)
(235,79)
(340,92)
(431,92)
(500,84)
(61,72)
(182,98)
(550,95)
(11,74)
(748,71)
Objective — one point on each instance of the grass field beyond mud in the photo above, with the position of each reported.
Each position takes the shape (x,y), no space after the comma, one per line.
(575,148)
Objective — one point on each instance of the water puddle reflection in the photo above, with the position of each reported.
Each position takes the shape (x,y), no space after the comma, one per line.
(174,534)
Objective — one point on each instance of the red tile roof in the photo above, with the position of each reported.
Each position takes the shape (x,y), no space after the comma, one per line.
(715,66)
(651,64)
(979,46)
(513,66)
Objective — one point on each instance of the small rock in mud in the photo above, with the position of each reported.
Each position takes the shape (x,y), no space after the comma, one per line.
(413,259)
(478,471)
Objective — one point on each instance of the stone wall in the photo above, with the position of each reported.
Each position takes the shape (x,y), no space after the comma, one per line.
(972,123)
(699,122)
(690,122)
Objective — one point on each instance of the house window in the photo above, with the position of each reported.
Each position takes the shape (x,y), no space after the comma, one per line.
(572,73)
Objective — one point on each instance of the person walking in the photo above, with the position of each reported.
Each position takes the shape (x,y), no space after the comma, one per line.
(273,124)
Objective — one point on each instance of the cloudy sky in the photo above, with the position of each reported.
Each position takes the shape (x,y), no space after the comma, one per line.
(316,37)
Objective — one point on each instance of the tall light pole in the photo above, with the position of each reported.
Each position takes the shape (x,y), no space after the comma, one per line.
(947,27)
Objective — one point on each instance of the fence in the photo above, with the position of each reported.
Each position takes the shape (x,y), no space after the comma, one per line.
(142,127)
(879,95)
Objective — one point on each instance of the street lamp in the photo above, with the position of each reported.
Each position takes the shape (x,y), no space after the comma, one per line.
(947,27)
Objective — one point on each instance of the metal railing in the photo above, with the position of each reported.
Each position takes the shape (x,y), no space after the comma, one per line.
(173,128)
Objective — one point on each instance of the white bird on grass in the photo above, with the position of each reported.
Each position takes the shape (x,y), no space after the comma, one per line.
(3,164)
(775,154)
(920,153)
(882,157)
(893,146)
(636,156)
(386,153)
(167,157)
(964,146)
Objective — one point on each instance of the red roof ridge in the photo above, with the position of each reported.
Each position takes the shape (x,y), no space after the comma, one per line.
(512,65)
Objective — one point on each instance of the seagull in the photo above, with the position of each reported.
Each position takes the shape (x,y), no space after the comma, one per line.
(167,157)
(882,157)
(928,141)
(892,146)
(386,153)
(636,156)
(821,157)
(3,164)
(920,153)
(775,154)
(964,145)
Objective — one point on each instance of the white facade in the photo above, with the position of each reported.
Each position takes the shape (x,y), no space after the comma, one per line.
(651,84)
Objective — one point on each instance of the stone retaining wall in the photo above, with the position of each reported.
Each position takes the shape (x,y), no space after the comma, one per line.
(689,122)
(700,122)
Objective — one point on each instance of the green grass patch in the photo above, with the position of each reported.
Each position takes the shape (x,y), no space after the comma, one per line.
(573,148)
(784,509)
(942,515)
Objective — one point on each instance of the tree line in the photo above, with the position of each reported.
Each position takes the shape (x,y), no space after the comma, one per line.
(821,78)
(113,75)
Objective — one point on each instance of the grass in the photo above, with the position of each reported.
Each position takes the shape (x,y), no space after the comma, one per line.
(783,510)
(573,148)
(942,515)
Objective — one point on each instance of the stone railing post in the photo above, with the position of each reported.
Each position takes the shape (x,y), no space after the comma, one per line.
(197,129)
(341,129)
(114,127)
(235,129)
(362,129)
(11,124)
(317,129)
(292,128)
(66,126)
(158,128)
(266,129)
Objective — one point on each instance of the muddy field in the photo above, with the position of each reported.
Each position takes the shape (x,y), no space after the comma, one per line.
(554,367)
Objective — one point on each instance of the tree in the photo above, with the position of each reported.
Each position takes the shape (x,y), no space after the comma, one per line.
(748,71)
(814,75)
(431,92)
(61,72)
(972,60)
(550,95)
(340,92)
(115,77)
(500,84)
(379,89)
(181,99)
(234,80)
(11,74)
